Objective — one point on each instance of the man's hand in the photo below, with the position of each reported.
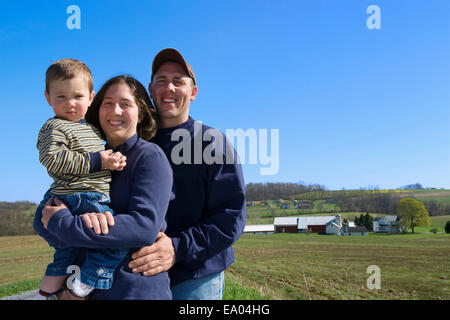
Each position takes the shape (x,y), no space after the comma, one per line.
(48,211)
(113,160)
(154,259)
(99,221)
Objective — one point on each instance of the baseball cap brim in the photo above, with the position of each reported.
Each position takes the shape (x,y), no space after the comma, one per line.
(171,54)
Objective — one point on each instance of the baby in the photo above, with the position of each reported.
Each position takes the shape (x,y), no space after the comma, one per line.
(76,159)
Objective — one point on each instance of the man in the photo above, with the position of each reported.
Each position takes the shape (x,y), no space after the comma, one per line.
(208,213)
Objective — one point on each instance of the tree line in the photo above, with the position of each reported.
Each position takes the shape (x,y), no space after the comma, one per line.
(16,218)
(386,203)
(377,203)
(272,191)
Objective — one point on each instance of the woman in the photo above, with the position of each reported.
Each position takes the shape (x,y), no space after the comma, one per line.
(140,193)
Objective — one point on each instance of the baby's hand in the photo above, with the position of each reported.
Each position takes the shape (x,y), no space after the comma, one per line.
(121,160)
(112,161)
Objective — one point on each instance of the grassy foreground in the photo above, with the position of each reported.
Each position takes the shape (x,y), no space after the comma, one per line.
(22,263)
(290,266)
(300,266)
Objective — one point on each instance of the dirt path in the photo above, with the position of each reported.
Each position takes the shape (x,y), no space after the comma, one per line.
(27,295)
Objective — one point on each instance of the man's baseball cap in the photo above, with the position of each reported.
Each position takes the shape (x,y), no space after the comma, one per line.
(171,54)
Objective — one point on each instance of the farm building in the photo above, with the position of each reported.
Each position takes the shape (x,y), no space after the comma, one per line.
(286,224)
(386,224)
(334,226)
(259,229)
(320,224)
(315,224)
(303,204)
(355,231)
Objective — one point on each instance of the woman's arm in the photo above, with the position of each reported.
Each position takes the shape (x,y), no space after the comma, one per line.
(150,192)
(99,222)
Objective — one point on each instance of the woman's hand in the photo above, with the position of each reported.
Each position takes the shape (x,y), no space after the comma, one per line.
(154,259)
(99,221)
(48,211)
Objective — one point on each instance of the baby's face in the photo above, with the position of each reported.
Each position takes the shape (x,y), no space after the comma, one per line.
(70,98)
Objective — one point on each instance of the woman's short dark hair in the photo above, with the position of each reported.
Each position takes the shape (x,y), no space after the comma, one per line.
(146,128)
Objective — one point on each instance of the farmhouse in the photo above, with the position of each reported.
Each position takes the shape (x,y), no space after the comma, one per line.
(386,224)
(259,229)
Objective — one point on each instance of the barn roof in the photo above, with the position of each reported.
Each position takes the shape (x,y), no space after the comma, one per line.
(388,219)
(391,218)
(304,222)
(285,221)
(259,228)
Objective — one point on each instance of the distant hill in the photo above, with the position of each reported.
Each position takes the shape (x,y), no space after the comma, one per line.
(16,218)
(437,201)
(18,205)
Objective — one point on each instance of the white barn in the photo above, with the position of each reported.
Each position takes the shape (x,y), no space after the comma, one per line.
(334,226)
(320,224)
(286,224)
(259,228)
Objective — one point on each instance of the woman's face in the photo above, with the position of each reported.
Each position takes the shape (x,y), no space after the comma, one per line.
(119,114)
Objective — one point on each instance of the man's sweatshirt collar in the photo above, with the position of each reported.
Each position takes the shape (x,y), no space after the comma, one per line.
(188,123)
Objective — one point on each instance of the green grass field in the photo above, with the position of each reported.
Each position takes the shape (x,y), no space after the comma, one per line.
(300,266)
(296,266)
(22,263)
(290,266)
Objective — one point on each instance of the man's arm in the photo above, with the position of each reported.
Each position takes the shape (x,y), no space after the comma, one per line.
(154,259)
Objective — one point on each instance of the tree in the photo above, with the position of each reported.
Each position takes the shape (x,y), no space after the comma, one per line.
(412,213)
(365,220)
(368,222)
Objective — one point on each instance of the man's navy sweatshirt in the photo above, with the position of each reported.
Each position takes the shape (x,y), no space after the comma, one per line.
(208,213)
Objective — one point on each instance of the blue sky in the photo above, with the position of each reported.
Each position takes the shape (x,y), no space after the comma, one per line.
(354,107)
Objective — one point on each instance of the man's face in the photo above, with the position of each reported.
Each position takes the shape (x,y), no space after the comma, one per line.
(172,91)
